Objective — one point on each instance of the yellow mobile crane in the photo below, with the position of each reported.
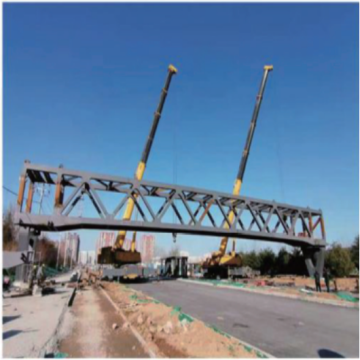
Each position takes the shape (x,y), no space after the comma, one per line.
(219,262)
(116,254)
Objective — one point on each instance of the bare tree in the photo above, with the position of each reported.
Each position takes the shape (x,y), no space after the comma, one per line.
(9,232)
(47,250)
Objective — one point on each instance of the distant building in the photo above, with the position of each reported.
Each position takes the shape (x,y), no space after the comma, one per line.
(68,254)
(87,257)
(146,246)
(108,238)
(105,239)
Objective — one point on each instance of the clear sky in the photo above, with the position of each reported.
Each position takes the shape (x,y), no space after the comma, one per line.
(81,83)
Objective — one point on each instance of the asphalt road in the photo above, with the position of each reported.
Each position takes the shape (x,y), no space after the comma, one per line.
(282,327)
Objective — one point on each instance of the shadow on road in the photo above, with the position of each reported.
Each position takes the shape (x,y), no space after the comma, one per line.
(326,353)
(7,319)
(10,333)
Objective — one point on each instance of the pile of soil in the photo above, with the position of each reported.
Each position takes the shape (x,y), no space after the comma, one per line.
(171,332)
(343,284)
(293,284)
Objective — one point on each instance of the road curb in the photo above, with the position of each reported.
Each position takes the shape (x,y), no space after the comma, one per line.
(289,296)
(141,340)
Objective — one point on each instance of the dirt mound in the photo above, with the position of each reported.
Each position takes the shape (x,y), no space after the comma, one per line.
(343,284)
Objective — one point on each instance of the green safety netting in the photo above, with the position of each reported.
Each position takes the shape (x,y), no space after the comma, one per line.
(240,285)
(260,355)
(213,327)
(50,272)
(248,348)
(347,297)
(181,316)
(61,355)
(221,282)
(134,297)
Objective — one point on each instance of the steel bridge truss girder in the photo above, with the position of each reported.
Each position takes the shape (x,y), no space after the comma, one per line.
(197,211)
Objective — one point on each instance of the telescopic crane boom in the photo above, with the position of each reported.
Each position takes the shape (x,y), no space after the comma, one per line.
(219,257)
(145,154)
(132,256)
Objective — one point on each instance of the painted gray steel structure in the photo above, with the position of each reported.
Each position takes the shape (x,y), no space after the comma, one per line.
(191,200)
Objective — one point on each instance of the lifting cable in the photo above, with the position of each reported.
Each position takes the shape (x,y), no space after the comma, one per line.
(175,156)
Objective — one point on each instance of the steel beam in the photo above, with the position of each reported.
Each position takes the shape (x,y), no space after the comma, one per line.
(255,219)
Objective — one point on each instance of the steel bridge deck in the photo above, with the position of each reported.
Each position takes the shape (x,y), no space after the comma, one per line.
(198,211)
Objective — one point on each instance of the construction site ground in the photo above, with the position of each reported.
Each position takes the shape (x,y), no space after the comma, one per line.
(283,327)
(30,323)
(175,319)
(87,330)
(126,323)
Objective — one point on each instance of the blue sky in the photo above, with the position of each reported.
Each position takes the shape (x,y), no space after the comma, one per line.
(81,83)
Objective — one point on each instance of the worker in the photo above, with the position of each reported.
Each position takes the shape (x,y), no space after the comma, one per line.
(40,274)
(317,281)
(43,273)
(327,278)
(32,275)
(6,283)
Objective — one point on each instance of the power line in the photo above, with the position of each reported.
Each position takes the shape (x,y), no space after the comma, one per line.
(10,191)
(15,194)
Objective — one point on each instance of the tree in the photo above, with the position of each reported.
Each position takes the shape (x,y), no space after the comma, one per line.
(267,261)
(282,261)
(338,261)
(9,232)
(355,252)
(252,260)
(47,251)
(296,264)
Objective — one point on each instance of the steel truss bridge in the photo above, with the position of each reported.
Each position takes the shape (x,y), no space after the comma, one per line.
(197,211)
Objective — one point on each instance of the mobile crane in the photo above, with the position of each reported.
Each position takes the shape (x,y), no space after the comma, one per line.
(116,254)
(219,263)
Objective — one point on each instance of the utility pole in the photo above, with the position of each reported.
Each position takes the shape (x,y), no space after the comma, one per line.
(43,192)
(81,206)
(65,252)
(58,255)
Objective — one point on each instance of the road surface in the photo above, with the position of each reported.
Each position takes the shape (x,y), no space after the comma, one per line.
(280,326)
